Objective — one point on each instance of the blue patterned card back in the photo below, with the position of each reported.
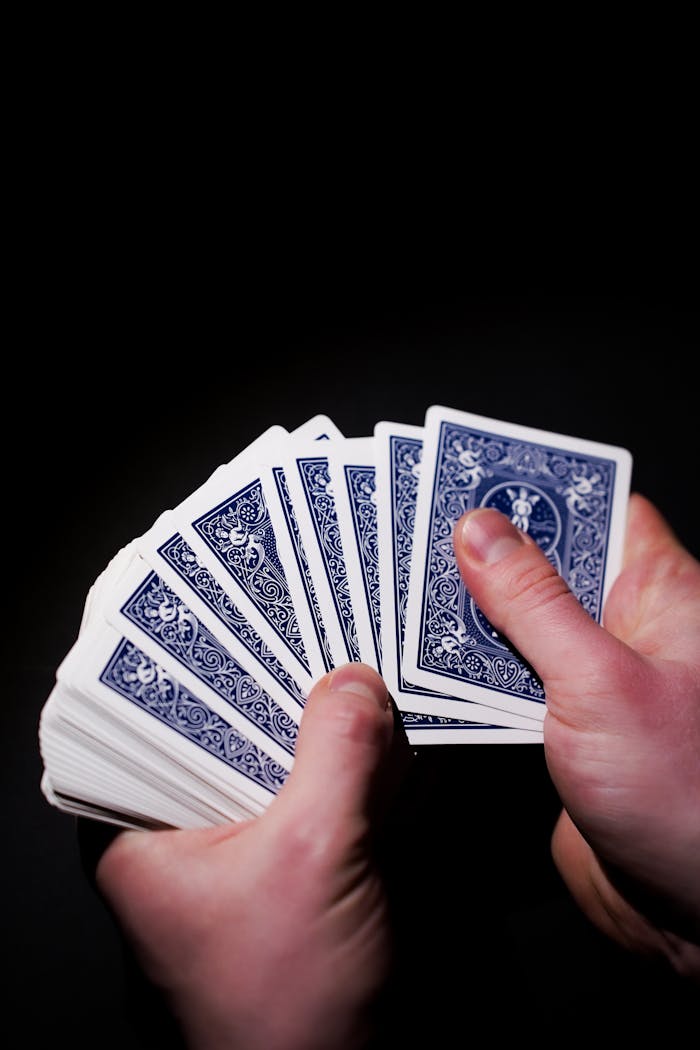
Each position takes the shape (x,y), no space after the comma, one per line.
(161,614)
(134,676)
(292,525)
(318,493)
(361,486)
(405,454)
(561,494)
(240,534)
(183,560)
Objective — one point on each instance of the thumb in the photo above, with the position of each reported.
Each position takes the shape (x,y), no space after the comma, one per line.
(527,600)
(342,750)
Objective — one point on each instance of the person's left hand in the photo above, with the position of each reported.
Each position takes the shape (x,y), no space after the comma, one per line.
(273,933)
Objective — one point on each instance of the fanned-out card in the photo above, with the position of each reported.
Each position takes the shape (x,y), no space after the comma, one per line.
(180,702)
(227,524)
(324,434)
(121,734)
(174,561)
(352,473)
(312,497)
(398,450)
(144,609)
(569,495)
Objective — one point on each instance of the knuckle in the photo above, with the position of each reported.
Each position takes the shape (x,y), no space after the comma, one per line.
(358,722)
(114,867)
(129,862)
(535,586)
(303,844)
(312,843)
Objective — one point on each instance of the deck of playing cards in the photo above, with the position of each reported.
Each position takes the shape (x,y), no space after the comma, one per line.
(179,703)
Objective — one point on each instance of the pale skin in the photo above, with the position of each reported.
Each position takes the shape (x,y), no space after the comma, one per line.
(622,731)
(292,901)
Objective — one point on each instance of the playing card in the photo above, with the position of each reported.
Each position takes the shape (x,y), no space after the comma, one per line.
(363,505)
(351,466)
(290,546)
(83,736)
(570,495)
(172,558)
(142,607)
(318,428)
(113,696)
(227,525)
(437,729)
(293,556)
(306,470)
(149,789)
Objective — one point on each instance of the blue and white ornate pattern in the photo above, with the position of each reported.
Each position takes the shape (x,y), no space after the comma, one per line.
(361,484)
(131,674)
(562,499)
(405,456)
(302,561)
(316,483)
(161,614)
(183,560)
(239,532)
(412,720)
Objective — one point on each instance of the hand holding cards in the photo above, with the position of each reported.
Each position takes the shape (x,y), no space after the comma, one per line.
(180,701)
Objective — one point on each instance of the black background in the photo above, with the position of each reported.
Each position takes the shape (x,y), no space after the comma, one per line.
(140,374)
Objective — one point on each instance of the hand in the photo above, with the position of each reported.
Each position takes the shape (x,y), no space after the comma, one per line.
(622,730)
(273,934)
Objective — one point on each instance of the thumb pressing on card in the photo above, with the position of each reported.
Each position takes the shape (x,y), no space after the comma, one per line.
(527,600)
(342,756)
(274,933)
(622,731)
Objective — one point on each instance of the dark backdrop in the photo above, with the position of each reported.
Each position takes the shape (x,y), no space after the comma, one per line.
(142,378)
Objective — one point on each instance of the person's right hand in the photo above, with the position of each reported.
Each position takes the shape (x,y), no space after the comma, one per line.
(622,731)
(273,934)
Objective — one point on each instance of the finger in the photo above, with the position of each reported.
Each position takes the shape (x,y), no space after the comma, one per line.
(343,748)
(134,861)
(527,600)
(654,604)
(343,745)
(647,531)
(595,895)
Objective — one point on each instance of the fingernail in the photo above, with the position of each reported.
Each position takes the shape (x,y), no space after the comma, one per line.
(488,536)
(362,680)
